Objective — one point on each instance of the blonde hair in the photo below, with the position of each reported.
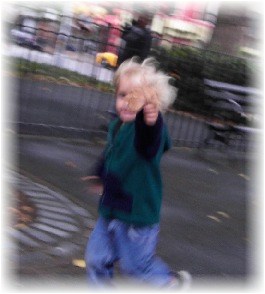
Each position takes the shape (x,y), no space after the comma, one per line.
(146,73)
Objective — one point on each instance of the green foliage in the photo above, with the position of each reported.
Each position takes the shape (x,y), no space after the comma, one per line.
(208,64)
(189,66)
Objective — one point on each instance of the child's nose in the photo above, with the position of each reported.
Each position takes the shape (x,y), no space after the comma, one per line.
(125,105)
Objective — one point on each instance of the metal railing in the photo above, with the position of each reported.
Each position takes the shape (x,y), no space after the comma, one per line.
(61,105)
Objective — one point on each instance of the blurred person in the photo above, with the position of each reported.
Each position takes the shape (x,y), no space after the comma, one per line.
(136,40)
(129,172)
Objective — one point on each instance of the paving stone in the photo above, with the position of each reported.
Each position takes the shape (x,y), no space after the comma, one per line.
(10,252)
(38,194)
(81,211)
(12,181)
(55,216)
(60,197)
(55,195)
(57,232)
(49,202)
(54,209)
(41,236)
(28,187)
(8,244)
(60,225)
(48,220)
(24,239)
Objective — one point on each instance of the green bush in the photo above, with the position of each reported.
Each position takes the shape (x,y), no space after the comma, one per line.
(189,66)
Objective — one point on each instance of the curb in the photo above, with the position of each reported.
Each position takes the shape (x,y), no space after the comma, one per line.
(57,236)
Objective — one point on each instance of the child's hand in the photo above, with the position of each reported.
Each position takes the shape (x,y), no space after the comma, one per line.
(150,114)
(140,97)
(94,184)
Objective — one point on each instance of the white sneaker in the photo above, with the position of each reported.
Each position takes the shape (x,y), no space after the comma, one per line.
(180,280)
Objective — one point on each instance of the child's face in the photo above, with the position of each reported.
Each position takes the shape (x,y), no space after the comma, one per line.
(124,87)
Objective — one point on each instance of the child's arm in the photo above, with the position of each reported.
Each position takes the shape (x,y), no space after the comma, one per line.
(149,123)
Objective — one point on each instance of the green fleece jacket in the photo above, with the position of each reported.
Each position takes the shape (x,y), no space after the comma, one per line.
(130,171)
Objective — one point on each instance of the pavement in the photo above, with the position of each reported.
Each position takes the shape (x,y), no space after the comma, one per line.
(204,218)
(53,245)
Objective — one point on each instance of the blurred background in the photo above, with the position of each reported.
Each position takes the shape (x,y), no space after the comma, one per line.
(211,50)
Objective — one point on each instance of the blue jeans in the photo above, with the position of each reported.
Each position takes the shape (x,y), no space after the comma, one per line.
(134,248)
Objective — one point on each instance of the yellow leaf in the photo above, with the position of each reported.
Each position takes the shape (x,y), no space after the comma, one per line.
(79,263)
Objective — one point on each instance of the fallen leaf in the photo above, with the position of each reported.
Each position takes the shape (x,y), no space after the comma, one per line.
(223,214)
(213,171)
(215,218)
(79,263)
(244,176)
(70,164)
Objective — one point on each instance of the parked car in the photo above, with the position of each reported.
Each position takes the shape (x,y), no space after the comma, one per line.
(107,59)
(25,39)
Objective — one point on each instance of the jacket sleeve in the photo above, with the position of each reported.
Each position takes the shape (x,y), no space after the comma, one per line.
(147,138)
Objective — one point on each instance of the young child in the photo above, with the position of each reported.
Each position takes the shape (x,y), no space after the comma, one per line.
(129,208)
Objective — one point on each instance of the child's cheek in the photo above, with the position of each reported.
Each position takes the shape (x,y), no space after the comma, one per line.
(118,105)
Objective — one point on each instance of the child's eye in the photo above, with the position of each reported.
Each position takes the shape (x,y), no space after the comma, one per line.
(122,94)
